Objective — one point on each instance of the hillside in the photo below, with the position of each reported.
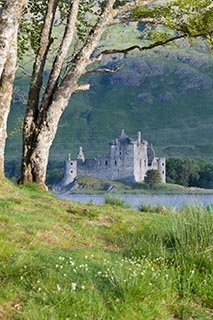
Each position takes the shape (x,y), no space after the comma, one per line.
(166,93)
(62,260)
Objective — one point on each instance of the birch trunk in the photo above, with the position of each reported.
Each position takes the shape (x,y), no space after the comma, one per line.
(36,149)
(9,21)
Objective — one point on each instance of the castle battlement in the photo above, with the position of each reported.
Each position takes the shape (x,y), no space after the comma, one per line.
(128,160)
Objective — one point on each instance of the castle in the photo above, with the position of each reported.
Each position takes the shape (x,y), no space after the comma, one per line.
(128,160)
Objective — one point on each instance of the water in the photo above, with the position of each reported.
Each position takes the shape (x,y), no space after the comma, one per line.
(135,200)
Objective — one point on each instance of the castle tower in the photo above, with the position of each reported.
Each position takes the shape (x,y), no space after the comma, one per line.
(70,170)
(162,169)
(138,138)
(80,155)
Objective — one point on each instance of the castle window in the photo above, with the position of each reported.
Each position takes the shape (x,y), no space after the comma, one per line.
(162,172)
(145,162)
(120,153)
(106,162)
(71,171)
(162,164)
(115,163)
(71,163)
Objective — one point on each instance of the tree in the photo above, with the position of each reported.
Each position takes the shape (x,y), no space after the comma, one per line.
(10,14)
(152,178)
(183,171)
(44,111)
(84,26)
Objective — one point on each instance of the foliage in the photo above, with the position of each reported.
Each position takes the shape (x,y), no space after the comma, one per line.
(183,171)
(190,18)
(190,172)
(152,178)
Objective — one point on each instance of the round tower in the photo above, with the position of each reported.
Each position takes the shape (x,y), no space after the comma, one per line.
(70,170)
(162,168)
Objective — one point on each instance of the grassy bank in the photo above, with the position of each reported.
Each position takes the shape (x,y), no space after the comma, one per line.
(88,185)
(62,260)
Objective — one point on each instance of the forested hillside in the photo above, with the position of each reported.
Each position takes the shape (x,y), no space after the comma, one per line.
(166,93)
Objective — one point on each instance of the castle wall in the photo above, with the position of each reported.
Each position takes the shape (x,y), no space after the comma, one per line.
(97,168)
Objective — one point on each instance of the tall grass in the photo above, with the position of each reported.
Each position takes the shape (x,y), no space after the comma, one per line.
(186,244)
(113,201)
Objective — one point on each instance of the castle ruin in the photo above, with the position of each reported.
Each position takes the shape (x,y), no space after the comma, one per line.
(128,160)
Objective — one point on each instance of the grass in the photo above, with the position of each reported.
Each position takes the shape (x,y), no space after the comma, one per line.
(114,201)
(61,260)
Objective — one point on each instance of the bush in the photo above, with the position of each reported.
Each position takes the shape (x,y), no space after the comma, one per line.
(152,178)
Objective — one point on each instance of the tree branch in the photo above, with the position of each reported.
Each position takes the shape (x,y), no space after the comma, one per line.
(103,70)
(134,19)
(62,53)
(144,48)
(41,56)
(82,87)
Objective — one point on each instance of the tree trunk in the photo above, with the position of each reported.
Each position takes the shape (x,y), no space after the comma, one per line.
(37,143)
(35,160)
(9,21)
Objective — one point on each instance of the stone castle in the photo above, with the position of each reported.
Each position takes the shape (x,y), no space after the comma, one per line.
(128,160)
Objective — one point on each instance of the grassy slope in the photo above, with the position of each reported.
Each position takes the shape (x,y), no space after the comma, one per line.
(60,260)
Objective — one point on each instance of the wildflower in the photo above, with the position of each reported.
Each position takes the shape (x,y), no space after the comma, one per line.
(61,258)
(58,287)
(73,285)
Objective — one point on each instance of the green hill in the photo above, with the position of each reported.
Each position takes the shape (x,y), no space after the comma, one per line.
(166,93)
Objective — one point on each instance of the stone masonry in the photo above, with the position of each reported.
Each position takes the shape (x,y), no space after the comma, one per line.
(128,160)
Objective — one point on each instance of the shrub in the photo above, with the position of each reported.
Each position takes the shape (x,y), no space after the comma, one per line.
(152,178)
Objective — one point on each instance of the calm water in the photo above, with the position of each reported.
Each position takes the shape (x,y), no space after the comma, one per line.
(135,200)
